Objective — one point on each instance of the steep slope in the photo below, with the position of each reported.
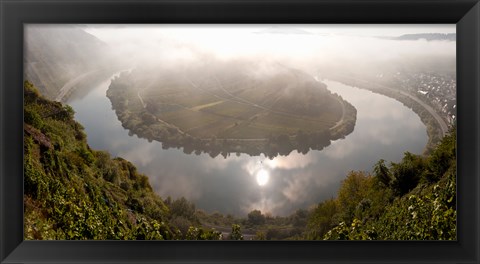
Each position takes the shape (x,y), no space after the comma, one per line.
(74,192)
(56,54)
(414,199)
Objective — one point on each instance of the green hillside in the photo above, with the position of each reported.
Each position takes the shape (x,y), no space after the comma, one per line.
(414,199)
(74,192)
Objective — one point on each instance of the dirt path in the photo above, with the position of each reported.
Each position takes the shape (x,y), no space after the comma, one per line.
(342,119)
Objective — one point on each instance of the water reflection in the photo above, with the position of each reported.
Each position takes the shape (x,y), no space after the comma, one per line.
(262,177)
(236,184)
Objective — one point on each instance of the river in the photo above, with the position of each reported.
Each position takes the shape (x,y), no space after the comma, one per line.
(385,129)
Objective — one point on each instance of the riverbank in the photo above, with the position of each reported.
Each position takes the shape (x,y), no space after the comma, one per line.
(436,126)
(135,116)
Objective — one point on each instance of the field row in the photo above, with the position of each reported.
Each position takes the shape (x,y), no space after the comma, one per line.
(242,108)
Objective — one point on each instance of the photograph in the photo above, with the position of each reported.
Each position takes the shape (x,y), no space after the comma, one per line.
(240,132)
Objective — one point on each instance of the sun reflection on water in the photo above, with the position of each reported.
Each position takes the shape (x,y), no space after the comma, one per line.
(262,177)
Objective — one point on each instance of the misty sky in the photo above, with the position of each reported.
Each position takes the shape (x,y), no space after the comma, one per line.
(301,46)
(106,32)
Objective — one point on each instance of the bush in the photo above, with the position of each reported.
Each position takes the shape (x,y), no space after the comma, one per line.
(197,233)
(236,233)
(33,118)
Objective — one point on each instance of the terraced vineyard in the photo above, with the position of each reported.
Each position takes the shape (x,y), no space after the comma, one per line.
(234,105)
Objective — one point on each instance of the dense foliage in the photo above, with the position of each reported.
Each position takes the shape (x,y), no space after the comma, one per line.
(74,192)
(414,199)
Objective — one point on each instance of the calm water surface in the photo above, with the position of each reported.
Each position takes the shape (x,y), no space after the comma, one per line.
(384,129)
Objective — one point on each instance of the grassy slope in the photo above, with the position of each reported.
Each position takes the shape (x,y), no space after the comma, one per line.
(74,192)
(414,199)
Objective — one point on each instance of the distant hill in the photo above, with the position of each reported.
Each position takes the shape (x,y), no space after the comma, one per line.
(56,54)
(427,36)
(284,30)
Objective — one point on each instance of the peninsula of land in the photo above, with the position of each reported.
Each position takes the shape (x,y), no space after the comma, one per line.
(231,108)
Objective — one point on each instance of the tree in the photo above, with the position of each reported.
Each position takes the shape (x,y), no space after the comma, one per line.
(302,140)
(382,173)
(407,173)
(322,219)
(182,207)
(352,191)
(300,218)
(442,157)
(255,217)
(148,118)
(301,137)
(236,233)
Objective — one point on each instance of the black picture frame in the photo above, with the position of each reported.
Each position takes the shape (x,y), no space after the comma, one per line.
(464,13)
